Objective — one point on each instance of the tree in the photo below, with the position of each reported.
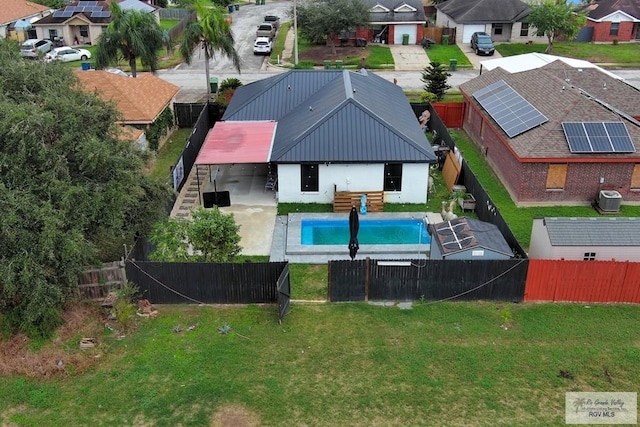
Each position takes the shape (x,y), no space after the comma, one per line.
(321,20)
(213,33)
(555,17)
(130,35)
(53,4)
(71,191)
(435,78)
(210,236)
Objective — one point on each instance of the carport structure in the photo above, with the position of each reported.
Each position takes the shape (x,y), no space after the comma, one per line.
(230,143)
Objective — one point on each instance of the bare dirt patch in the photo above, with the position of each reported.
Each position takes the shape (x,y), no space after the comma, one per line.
(62,355)
(317,54)
(234,416)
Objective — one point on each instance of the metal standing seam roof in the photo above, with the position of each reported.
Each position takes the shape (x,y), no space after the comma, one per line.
(478,11)
(345,117)
(237,142)
(597,231)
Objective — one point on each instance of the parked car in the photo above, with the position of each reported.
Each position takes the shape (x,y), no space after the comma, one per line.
(262,45)
(482,44)
(33,48)
(67,54)
(273,20)
(266,30)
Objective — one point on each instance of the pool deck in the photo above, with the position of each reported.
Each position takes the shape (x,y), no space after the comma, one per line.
(286,243)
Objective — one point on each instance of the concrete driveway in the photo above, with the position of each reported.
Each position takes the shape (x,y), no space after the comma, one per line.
(475,59)
(409,57)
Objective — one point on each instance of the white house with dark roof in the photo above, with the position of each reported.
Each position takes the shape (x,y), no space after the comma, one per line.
(588,239)
(326,131)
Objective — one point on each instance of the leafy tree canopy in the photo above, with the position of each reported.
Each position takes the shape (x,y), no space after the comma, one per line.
(71,191)
(435,78)
(552,18)
(210,236)
(320,20)
(53,4)
(130,35)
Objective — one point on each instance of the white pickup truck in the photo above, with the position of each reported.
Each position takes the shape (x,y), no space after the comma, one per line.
(266,30)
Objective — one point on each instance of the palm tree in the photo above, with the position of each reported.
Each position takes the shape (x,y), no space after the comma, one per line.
(130,35)
(212,32)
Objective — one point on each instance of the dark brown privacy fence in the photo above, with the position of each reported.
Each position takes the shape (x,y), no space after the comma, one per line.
(96,282)
(284,293)
(498,280)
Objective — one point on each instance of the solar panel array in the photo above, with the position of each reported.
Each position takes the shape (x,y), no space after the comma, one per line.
(513,113)
(102,14)
(598,137)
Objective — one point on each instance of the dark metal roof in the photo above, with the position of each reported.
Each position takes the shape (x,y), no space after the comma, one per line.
(597,231)
(478,11)
(347,117)
(600,9)
(390,17)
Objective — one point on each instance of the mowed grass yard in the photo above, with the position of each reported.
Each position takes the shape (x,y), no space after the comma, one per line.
(622,54)
(341,364)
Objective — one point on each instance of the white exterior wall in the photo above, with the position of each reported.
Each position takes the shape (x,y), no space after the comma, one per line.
(541,248)
(352,177)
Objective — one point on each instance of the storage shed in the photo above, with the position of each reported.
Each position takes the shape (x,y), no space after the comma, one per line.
(588,239)
(466,239)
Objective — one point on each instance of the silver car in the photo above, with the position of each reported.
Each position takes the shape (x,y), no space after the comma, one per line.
(34,48)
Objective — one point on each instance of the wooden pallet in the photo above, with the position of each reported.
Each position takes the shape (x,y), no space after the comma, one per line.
(344,200)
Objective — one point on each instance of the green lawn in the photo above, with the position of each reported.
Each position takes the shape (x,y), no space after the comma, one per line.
(340,365)
(623,54)
(444,53)
(169,154)
(167,24)
(520,219)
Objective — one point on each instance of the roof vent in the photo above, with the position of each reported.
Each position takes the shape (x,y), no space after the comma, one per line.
(310,108)
(288,87)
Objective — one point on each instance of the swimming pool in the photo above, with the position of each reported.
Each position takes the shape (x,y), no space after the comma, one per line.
(372,232)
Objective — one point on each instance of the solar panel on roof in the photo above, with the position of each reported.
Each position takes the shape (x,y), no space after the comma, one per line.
(513,113)
(66,14)
(598,137)
(101,14)
(57,14)
(87,3)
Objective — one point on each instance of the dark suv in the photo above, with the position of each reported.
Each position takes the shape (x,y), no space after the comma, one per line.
(482,44)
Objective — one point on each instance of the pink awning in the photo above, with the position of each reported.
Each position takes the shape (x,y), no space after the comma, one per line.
(237,142)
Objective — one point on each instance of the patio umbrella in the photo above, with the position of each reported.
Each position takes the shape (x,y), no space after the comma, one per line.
(354,226)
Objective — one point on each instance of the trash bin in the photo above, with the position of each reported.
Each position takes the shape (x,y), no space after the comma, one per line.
(445,39)
(339,64)
(405,39)
(327,64)
(230,7)
(213,84)
(360,42)
(85,66)
(237,6)
(453,64)
(257,2)
(262,2)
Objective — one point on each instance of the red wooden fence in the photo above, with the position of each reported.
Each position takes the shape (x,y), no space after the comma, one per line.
(583,281)
(451,113)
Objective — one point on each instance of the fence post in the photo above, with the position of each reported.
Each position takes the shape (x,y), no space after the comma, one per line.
(366,279)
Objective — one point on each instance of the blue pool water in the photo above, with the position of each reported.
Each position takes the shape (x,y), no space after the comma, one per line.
(372,232)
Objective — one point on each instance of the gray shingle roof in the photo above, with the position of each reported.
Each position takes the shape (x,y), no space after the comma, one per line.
(334,116)
(560,100)
(596,231)
(599,9)
(390,17)
(478,11)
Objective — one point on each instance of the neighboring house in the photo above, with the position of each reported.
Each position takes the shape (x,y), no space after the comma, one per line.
(556,134)
(504,20)
(466,239)
(82,22)
(391,20)
(588,239)
(16,17)
(613,20)
(326,131)
(139,100)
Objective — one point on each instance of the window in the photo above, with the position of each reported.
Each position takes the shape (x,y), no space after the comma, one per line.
(589,256)
(635,177)
(53,34)
(309,178)
(392,177)
(524,29)
(497,29)
(615,27)
(556,176)
(84,31)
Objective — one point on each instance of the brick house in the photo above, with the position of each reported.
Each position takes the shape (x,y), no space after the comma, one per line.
(540,164)
(390,21)
(614,20)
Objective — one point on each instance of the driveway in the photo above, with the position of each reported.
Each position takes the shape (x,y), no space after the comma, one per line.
(409,57)
(475,59)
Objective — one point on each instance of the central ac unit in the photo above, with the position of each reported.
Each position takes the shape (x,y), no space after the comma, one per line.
(609,200)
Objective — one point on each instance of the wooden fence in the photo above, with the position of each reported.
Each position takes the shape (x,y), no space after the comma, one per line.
(284,293)
(451,113)
(583,281)
(436,34)
(95,283)
(344,200)
(362,280)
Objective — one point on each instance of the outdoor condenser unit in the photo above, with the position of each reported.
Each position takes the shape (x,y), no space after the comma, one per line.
(609,200)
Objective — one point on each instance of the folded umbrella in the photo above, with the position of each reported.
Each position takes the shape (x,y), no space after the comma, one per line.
(354,226)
